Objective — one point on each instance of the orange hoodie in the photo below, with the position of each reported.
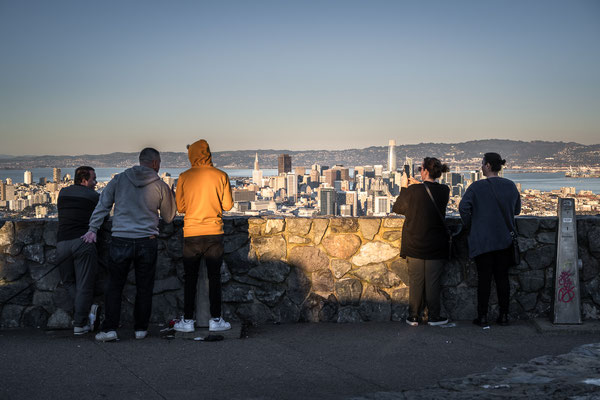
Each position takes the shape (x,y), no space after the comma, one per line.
(203,193)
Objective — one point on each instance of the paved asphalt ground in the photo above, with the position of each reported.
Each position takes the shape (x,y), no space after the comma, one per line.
(295,361)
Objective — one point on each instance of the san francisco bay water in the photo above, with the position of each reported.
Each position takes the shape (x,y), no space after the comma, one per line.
(544,181)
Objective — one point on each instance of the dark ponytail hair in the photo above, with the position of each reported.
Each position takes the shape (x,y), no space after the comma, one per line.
(496,162)
(435,167)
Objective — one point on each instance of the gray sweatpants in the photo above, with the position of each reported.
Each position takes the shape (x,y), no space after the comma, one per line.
(78,275)
(424,281)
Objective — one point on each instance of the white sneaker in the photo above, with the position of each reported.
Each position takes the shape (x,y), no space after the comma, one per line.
(107,336)
(81,330)
(218,324)
(184,325)
(93,316)
(141,334)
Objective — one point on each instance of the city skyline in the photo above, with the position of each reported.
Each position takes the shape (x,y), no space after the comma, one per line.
(82,78)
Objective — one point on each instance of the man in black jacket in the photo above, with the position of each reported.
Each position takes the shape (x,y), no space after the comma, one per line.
(79,259)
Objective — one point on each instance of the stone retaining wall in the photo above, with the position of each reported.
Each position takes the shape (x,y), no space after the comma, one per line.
(297,269)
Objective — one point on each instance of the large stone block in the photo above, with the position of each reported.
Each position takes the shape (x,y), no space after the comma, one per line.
(400,304)
(341,246)
(13,249)
(311,307)
(460,302)
(375,305)
(235,242)
(34,252)
(7,233)
(60,319)
(28,232)
(48,282)
(594,240)
(452,273)
(527,300)
(298,226)
(348,315)
(165,285)
(393,222)
(11,316)
(591,267)
(343,225)
(270,248)
(369,227)
(527,226)
(322,281)
(375,252)
(319,227)
(348,291)
(298,285)
(546,237)
(286,311)
(400,268)
(329,310)
(165,266)
(532,281)
(541,257)
(241,260)
(237,293)
(526,244)
(12,268)
(392,236)
(272,271)
(175,246)
(340,267)
(274,226)
(50,232)
(294,239)
(378,275)
(35,317)
(548,223)
(270,296)
(308,258)
(44,299)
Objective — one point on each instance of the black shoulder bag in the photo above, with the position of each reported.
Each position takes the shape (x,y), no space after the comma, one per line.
(448,231)
(515,252)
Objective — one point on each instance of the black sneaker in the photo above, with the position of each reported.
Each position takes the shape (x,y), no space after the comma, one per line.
(412,321)
(437,321)
(481,321)
(502,320)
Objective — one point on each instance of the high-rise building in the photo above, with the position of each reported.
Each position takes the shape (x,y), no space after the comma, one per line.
(392,155)
(257,174)
(381,205)
(408,167)
(330,176)
(28,178)
(56,175)
(326,201)
(42,181)
(284,163)
(2,191)
(378,170)
(292,186)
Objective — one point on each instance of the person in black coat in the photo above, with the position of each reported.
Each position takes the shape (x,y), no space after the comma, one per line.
(424,238)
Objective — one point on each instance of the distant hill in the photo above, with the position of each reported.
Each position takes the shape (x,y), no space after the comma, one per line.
(517,153)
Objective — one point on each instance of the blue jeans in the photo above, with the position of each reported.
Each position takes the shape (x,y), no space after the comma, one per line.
(122,253)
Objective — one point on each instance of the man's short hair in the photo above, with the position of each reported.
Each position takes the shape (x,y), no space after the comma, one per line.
(149,154)
(82,173)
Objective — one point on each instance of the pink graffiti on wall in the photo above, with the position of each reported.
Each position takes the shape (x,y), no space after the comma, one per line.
(566,293)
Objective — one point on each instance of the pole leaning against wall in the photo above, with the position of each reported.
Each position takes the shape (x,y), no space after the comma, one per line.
(566,277)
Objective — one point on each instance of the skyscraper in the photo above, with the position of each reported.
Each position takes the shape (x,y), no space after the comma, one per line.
(56,175)
(292,186)
(2,191)
(257,174)
(326,201)
(284,163)
(392,155)
(27,178)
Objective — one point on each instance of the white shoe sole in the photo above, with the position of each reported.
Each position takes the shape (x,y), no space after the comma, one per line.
(412,323)
(185,330)
(107,339)
(438,323)
(220,329)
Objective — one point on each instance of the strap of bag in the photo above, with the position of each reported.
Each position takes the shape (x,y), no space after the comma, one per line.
(437,209)
(506,220)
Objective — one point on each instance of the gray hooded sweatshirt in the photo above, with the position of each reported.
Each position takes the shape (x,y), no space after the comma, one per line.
(138,194)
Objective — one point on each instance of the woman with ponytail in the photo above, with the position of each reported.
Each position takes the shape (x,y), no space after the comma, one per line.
(424,238)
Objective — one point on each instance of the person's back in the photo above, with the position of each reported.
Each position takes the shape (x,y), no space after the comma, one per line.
(203,193)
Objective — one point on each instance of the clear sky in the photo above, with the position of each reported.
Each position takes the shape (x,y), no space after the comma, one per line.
(101,76)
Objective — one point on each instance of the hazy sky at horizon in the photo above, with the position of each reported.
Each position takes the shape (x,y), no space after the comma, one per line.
(97,77)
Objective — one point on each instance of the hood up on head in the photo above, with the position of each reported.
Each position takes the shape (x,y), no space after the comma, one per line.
(199,153)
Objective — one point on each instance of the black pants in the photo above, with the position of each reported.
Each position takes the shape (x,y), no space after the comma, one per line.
(122,252)
(424,280)
(494,263)
(195,248)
